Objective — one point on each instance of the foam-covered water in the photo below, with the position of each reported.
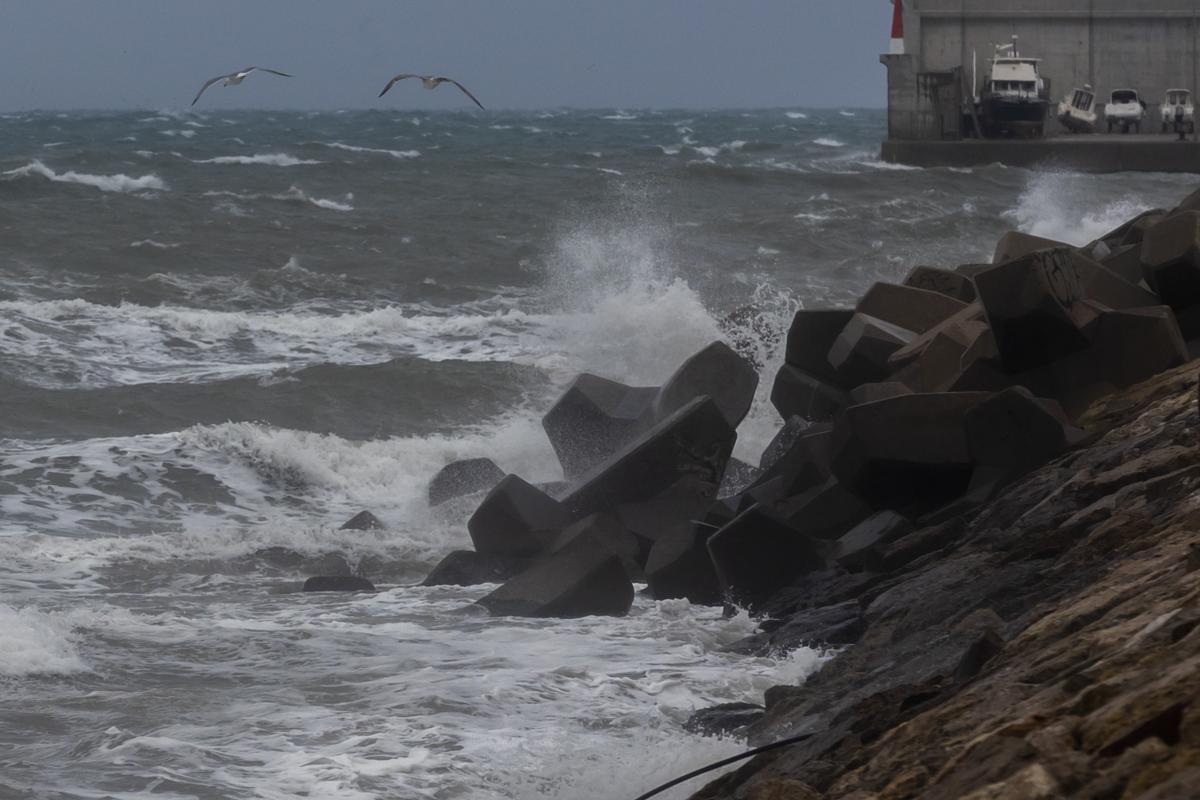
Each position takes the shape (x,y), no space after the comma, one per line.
(222,334)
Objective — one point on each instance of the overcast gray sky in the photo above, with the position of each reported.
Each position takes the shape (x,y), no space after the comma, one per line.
(59,54)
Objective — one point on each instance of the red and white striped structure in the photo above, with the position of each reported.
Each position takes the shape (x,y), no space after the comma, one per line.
(897,46)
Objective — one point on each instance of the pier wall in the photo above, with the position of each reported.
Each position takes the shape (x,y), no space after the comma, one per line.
(1150,46)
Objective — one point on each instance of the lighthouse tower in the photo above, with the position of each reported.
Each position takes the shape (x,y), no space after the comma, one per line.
(897,45)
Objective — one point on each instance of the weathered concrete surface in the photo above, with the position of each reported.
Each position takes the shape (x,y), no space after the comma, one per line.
(1098,153)
(1046,644)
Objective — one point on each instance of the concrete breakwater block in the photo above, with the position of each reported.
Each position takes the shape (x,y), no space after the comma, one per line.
(1171,259)
(1134,344)
(1035,307)
(583,579)
(943,281)
(695,441)
(716,371)
(861,351)
(607,531)
(811,335)
(338,583)
(796,393)
(1015,244)
(516,519)
(858,547)
(908,307)
(1013,432)
(679,565)
(468,568)
(804,464)
(593,419)
(463,477)
(825,511)
(758,553)
(909,453)
(688,498)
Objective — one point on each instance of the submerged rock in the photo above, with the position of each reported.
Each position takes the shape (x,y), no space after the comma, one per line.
(464,477)
(363,521)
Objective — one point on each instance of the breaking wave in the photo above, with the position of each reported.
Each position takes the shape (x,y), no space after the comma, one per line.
(105,183)
(269,159)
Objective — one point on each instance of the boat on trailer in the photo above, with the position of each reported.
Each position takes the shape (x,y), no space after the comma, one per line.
(1077,112)
(1015,97)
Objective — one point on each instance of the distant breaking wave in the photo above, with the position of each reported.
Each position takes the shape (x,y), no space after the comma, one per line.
(393,153)
(270,159)
(105,183)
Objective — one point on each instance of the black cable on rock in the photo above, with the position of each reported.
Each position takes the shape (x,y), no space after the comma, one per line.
(722,763)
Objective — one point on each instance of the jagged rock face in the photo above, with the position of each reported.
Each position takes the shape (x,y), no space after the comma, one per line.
(1047,646)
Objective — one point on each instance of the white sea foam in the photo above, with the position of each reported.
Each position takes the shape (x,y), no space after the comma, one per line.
(155,244)
(187,134)
(795,115)
(34,642)
(401,154)
(848,114)
(269,159)
(620,115)
(828,141)
(105,183)
(1064,207)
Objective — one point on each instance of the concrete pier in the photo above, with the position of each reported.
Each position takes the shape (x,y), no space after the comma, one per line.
(1095,153)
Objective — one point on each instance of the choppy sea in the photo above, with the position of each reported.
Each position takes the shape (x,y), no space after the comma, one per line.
(224,333)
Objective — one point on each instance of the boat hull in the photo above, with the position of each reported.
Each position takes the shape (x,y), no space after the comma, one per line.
(1002,116)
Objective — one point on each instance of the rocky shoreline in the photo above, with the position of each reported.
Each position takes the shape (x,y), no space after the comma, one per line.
(985,488)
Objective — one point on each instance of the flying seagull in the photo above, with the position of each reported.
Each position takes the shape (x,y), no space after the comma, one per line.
(234,78)
(432,82)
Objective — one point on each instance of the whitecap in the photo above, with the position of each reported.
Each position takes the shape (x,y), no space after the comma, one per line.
(795,115)
(105,183)
(34,642)
(826,141)
(402,154)
(269,159)
(848,114)
(153,243)
(609,171)
(184,134)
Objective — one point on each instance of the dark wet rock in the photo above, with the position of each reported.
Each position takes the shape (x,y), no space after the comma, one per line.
(908,307)
(583,579)
(363,521)
(462,478)
(759,553)
(796,393)
(939,358)
(286,559)
(1135,344)
(943,281)
(726,719)
(861,351)
(694,442)
(516,519)
(716,371)
(468,568)
(679,565)
(1015,432)
(805,462)
(909,453)
(858,548)
(593,419)
(810,337)
(338,583)
(687,499)
(1125,262)
(1015,244)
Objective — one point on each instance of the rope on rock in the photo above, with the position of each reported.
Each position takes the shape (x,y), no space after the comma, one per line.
(723,763)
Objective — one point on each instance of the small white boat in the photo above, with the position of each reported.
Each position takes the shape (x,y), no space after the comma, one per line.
(1077,112)
(1177,106)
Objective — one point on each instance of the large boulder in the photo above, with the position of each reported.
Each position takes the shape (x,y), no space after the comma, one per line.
(679,565)
(516,519)
(758,553)
(796,393)
(695,441)
(943,281)
(909,453)
(362,521)
(716,371)
(468,568)
(1171,259)
(583,579)
(593,419)
(861,351)
(908,307)
(464,477)
(811,335)
(1035,307)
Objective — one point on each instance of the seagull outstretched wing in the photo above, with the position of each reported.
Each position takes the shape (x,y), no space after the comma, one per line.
(393,81)
(207,84)
(463,89)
